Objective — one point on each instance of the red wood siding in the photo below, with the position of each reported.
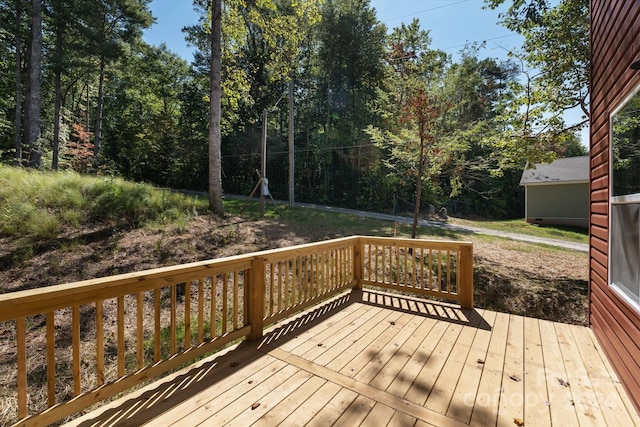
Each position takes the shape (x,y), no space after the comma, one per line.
(615,45)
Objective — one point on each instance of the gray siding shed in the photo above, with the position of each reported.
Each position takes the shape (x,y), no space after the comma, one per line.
(557,193)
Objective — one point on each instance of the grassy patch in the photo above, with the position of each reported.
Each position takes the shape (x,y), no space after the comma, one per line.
(44,204)
(520,226)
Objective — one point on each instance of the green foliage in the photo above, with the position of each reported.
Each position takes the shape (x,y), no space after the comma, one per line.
(143,135)
(355,142)
(557,48)
(45,204)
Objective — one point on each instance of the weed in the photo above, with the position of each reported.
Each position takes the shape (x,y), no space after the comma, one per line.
(165,339)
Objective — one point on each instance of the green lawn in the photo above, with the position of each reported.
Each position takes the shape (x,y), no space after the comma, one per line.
(520,226)
(366,226)
(335,222)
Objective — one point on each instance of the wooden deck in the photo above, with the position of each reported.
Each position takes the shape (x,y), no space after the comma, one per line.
(375,359)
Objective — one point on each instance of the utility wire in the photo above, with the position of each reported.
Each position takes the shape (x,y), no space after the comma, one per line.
(427,10)
(301,150)
(414,14)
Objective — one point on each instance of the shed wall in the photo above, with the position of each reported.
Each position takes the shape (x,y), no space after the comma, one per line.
(615,45)
(566,204)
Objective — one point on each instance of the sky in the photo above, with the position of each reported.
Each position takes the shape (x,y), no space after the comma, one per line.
(451,23)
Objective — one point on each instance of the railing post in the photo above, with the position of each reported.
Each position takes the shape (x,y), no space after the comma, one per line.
(465,291)
(256,301)
(358,262)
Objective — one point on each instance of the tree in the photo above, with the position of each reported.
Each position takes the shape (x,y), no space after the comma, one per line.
(424,111)
(478,90)
(555,70)
(412,60)
(32,120)
(260,49)
(63,14)
(17,123)
(215,157)
(411,154)
(348,76)
(109,26)
(142,134)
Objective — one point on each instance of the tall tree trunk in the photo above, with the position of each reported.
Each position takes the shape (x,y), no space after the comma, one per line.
(215,156)
(56,121)
(18,95)
(87,107)
(98,134)
(58,94)
(416,212)
(35,91)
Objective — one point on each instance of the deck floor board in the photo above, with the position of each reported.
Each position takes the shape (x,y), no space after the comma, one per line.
(384,359)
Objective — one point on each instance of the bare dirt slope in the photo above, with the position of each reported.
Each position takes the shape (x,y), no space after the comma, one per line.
(510,276)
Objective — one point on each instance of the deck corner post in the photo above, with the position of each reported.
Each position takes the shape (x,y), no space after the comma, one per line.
(256,301)
(358,263)
(466,277)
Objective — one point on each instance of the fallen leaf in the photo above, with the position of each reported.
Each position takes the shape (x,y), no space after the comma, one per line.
(250,381)
(480,361)
(515,378)
(255,406)
(320,344)
(518,422)
(563,383)
(392,323)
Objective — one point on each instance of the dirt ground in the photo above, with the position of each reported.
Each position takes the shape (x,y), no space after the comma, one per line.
(509,276)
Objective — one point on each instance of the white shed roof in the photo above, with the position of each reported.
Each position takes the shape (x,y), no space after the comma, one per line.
(561,171)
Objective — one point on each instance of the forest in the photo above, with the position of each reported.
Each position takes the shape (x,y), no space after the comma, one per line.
(377,110)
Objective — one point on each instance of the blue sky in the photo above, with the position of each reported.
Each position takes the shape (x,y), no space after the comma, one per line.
(452,24)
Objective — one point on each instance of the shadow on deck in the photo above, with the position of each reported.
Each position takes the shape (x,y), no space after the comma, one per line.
(373,358)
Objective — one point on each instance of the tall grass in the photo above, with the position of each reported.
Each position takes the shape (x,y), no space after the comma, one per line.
(43,204)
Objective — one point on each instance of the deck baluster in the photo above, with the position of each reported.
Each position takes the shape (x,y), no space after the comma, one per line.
(75,344)
(21,332)
(51,359)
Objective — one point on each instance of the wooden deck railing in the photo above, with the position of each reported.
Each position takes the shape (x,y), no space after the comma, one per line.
(69,346)
(433,268)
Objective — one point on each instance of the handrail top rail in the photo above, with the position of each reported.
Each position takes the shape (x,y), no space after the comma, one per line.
(436,244)
(10,299)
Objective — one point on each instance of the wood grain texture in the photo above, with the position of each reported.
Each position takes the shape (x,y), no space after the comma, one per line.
(401,364)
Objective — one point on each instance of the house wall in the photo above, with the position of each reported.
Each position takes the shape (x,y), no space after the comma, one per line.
(559,204)
(615,45)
